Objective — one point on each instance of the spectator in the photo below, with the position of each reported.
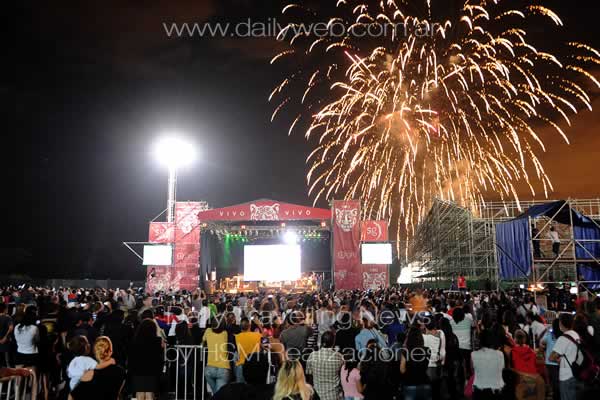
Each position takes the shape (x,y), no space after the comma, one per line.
(345,334)
(217,371)
(566,352)
(6,328)
(547,344)
(291,383)
(254,384)
(146,361)
(375,382)
(247,342)
(488,364)
(435,341)
(324,366)
(367,333)
(462,326)
(80,347)
(414,365)
(350,380)
(295,337)
(101,383)
(524,362)
(27,337)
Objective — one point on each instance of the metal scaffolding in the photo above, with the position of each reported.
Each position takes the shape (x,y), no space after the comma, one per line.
(453,240)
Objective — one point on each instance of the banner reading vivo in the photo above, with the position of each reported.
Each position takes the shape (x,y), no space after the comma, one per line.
(346,242)
(186,238)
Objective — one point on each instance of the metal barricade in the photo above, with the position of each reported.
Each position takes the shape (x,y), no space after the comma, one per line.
(184,363)
(16,387)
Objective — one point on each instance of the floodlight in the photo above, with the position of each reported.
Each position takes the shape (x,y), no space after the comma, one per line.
(173,152)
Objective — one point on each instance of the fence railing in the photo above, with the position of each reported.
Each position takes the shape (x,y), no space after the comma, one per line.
(184,369)
(17,387)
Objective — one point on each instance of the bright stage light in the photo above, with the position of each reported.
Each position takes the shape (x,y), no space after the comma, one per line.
(290,237)
(173,152)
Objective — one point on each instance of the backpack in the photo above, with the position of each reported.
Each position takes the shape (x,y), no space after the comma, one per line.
(587,371)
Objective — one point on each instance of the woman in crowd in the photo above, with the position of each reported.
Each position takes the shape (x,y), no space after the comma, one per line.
(452,359)
(291,383)
(488,364)
(99,384)
(462,326)
(435,341)
(27,338)
(218,365)
(414,365)
(524,363)
(350,378)
(146,361)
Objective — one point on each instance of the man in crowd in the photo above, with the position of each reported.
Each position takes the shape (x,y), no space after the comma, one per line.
(247,342)
(324,366)
(566,353)
(295,337)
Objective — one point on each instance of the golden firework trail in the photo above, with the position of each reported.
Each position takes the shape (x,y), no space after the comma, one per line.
(446,109)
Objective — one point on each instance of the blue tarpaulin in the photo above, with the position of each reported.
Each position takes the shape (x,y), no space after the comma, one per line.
(514,255)
(513,240)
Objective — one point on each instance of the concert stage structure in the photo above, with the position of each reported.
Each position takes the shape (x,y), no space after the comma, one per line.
(509,242)
(201,238)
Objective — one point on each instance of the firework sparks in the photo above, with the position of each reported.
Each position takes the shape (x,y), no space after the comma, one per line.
(402,118)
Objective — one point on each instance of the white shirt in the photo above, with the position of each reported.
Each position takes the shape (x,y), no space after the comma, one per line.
(554,236)
(538,330)
(525,308)
(203,316)
(462,330)
(437,347)
(488,365)
(26,337)
(237,311)
(569,353)
(77,368)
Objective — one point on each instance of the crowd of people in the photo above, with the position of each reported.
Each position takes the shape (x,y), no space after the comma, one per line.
(392,343)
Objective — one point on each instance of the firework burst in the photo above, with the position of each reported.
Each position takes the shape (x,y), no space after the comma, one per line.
(447,109)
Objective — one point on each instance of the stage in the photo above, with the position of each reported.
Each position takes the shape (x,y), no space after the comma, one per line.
(213,247)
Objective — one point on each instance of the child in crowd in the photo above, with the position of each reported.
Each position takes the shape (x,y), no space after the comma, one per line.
(82,362)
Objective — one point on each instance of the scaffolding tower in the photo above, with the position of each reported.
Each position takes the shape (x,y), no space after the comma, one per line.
(453,240)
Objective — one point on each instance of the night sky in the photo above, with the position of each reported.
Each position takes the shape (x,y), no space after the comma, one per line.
(88,86)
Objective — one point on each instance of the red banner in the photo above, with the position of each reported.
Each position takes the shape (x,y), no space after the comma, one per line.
(160,232)
(265,210)
(346,242)
(374,231)
(186,236)
(374,277)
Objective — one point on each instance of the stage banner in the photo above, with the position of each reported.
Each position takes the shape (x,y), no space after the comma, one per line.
(185,234)
(265,210)
(346,241)
(187,223)
(374,231)
(161,232)
(374,277)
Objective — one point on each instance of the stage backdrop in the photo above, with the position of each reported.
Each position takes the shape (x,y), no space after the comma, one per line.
(374,276)
(346,242)
(186,237)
